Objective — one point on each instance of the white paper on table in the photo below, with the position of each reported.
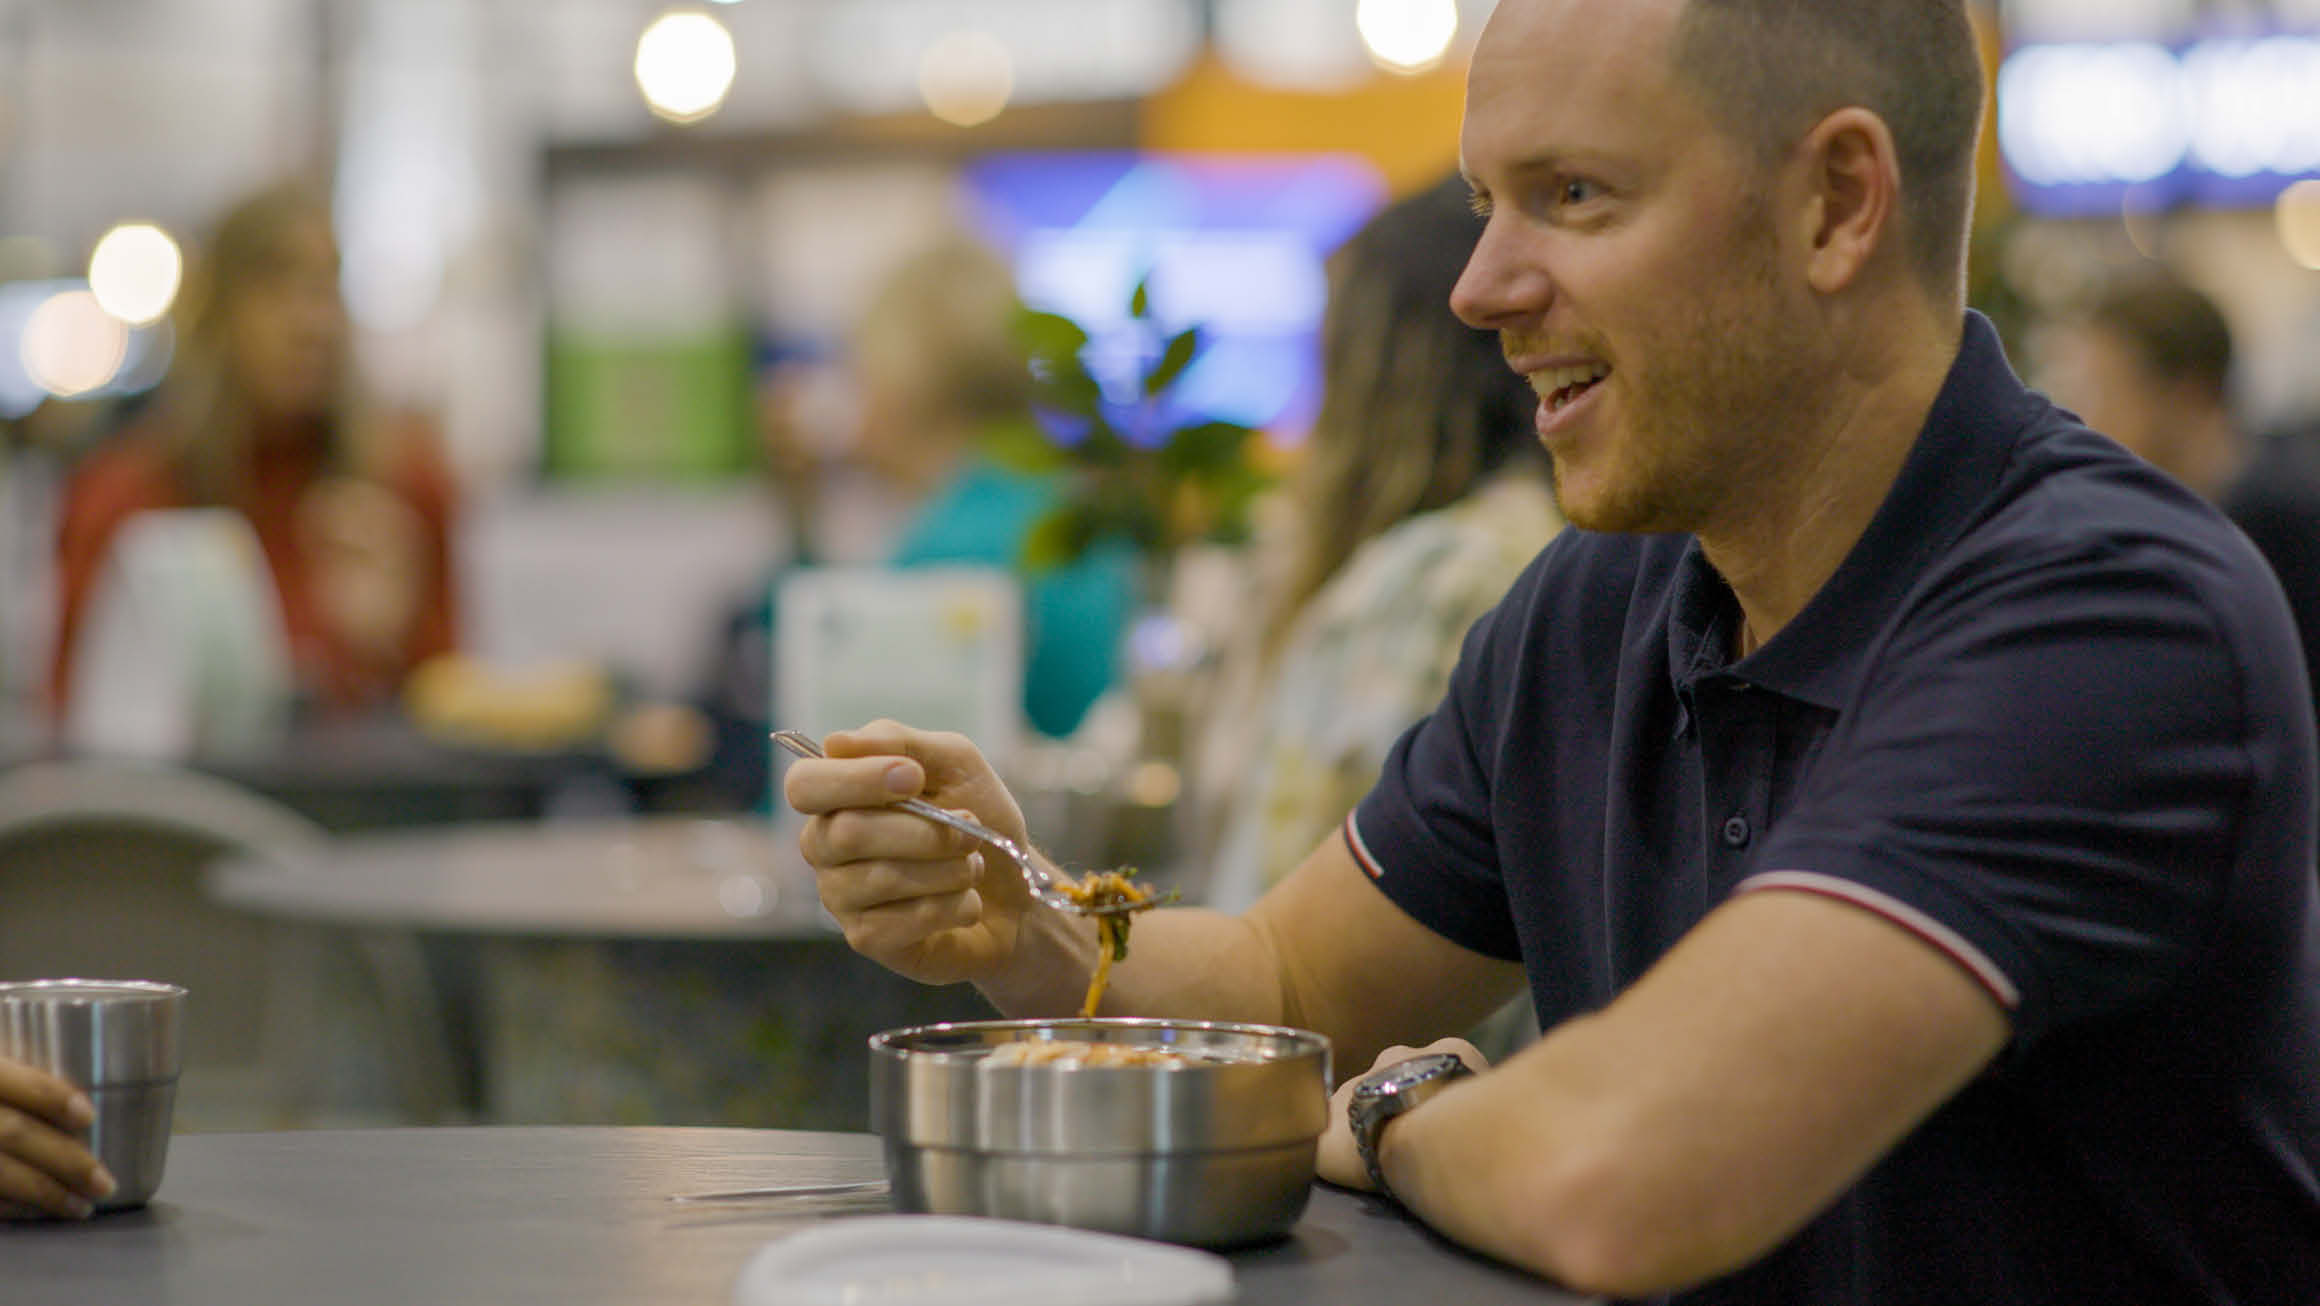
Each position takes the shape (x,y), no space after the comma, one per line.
(940,648)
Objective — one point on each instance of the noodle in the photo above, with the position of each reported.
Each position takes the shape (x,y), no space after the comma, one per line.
(1100,889)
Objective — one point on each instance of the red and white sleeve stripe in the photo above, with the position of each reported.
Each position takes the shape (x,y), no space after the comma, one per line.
(1975,962)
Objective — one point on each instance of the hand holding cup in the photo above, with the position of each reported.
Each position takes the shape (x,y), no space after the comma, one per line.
(88,1079)
(44,1169)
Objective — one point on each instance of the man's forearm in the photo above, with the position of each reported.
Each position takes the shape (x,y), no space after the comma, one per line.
(1730,1094)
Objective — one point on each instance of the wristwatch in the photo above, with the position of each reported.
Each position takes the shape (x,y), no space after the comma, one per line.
(1383,1094)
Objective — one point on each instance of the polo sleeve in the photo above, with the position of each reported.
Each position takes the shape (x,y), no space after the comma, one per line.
(2046,772)
(1423,833)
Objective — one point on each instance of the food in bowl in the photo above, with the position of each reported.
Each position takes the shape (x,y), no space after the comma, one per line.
(1073,1053)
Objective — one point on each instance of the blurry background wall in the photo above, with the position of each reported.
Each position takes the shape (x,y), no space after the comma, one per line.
(590,293)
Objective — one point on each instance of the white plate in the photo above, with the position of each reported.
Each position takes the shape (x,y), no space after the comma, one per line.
(951,1260)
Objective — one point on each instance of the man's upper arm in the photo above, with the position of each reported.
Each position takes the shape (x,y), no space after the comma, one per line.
(1357,967)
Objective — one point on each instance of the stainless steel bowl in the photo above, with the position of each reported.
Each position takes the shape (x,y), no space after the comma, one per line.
(1213,1153)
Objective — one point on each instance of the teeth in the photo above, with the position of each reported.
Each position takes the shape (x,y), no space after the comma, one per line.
(1552,382)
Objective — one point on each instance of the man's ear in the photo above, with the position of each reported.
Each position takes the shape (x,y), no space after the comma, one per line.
(1853,182)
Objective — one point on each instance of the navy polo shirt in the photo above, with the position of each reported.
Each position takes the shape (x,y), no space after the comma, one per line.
(2050,716)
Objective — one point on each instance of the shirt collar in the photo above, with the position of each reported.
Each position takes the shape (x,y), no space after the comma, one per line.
(1951,471)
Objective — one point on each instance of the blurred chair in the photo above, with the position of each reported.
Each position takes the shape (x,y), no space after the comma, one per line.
(101,866)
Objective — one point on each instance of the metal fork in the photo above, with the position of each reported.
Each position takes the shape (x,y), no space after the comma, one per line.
(1045,885)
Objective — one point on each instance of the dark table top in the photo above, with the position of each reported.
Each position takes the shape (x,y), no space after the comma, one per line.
(577,1216)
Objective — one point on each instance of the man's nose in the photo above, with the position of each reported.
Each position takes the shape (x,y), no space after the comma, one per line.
(1497,289)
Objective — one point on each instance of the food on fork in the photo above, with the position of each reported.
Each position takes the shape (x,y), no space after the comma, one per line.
(1101,889)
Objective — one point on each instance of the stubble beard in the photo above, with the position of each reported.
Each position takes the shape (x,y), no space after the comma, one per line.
(1709,404)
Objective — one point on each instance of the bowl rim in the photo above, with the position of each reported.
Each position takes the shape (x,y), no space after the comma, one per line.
(892,1042)
(90,990)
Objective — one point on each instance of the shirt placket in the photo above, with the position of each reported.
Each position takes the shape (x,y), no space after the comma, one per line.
(1735,728)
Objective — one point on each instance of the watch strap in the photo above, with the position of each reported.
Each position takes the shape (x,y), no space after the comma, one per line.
(1397,1090)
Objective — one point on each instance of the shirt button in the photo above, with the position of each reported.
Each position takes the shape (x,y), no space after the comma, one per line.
(1735,831)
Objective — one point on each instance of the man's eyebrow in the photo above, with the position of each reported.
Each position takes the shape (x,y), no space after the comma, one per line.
(1559,159)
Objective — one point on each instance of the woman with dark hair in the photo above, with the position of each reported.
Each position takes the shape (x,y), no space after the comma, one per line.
(1420,494)
(260,414)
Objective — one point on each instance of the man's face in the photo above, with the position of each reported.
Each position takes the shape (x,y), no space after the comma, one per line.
(1630,267)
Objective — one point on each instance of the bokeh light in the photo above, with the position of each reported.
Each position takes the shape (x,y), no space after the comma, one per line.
(2298,213)
(1407,36)
(685,65)
(135,271)
(966,77)
(72,346)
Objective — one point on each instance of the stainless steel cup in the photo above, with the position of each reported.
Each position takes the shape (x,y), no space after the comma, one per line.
(118,1040)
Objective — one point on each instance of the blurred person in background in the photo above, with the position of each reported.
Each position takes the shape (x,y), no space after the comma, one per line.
(938,366)
(2147,361)
(44,1168)
(1421,494)
(260,414)
(935,365)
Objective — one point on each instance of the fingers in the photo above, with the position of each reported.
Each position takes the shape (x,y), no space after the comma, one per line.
(852,835)
(816,786)
(903,927)
(944,758)
(853,887)
(46,1171)
(935,749)
(43,1095)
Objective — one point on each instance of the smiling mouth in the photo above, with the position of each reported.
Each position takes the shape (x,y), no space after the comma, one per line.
(1559,387)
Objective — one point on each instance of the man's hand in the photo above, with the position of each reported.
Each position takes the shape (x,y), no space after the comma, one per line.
(916,897)
(1338,1160)
(43,1169)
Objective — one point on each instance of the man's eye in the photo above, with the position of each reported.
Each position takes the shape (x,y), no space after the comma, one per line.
(1576,192)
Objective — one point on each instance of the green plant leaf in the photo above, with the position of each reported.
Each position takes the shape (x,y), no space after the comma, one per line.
(1049,336)
(1067,390)
(1140,302)
(1058,539)
(1174,359)
(1018,444)
(1205,449)
(1103,448)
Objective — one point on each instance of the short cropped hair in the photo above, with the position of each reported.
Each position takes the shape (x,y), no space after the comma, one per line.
(2177,333)
(1773,68)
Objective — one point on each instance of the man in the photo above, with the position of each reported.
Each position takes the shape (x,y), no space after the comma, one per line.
(2148,362)
(1899,800)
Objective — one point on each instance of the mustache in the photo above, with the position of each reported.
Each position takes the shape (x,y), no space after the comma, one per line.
(1514,344)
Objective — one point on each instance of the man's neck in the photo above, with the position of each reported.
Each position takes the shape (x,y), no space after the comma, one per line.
(1777,551)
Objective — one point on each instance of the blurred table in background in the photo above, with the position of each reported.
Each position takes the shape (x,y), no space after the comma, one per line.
(654,970)
(384,773)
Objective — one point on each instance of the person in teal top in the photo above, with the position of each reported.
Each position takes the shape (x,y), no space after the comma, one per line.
(1076,615)
(936,367)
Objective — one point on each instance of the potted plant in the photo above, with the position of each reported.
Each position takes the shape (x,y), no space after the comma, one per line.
(1141,467)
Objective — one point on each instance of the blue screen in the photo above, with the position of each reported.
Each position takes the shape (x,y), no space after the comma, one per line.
(1232,243)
